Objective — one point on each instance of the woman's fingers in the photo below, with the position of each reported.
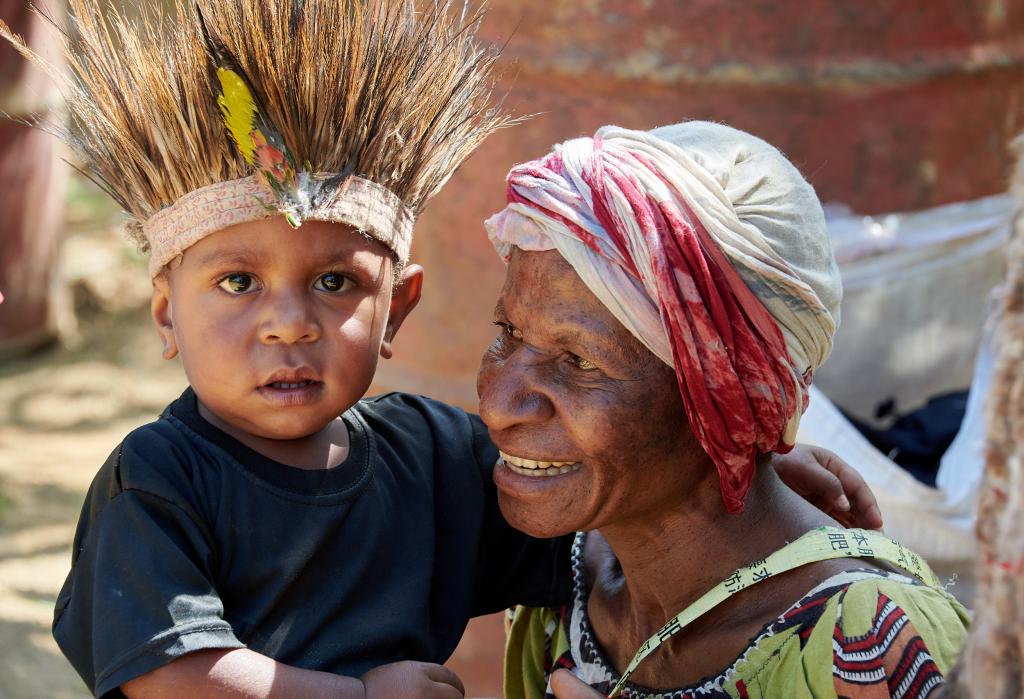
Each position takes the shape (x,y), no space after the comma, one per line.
(566,685)
(442,675)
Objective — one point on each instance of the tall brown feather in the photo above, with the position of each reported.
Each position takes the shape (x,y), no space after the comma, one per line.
(396,91)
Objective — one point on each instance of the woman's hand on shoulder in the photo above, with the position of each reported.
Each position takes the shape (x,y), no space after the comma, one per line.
(566,685)
(830,484)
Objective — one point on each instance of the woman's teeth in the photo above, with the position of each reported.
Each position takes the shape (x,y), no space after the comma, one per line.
(283,385)
(529,467)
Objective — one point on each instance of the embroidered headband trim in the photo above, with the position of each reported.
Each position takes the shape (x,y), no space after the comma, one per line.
(364,205)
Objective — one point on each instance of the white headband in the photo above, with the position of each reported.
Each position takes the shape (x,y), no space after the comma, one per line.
(364,205)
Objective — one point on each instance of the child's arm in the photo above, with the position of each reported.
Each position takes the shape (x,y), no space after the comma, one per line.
(830,484)
(244,674)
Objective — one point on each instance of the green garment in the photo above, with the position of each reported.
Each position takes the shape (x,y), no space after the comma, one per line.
(861,634)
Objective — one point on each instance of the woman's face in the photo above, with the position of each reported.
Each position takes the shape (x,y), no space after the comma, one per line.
(590,424)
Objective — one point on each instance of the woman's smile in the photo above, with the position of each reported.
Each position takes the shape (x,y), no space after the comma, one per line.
(536,468)
(522,484)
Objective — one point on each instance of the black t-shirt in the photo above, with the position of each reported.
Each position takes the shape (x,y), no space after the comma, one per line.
(189,540)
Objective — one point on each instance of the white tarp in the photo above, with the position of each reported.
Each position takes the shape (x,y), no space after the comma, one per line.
(916,289)
(917,295)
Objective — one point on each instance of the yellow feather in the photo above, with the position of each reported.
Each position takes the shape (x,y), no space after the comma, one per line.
(345,82)
(239,110)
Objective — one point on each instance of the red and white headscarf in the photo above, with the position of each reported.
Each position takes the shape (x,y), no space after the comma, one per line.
(711,249)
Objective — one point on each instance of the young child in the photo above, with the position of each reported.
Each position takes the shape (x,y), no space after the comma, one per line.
(273,534)
(274,156)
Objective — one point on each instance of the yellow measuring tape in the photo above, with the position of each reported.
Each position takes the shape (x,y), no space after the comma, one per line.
(821,544)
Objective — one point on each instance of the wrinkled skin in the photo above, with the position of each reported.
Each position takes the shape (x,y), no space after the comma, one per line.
(564,381)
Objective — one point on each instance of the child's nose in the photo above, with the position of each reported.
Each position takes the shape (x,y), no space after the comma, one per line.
(289,320)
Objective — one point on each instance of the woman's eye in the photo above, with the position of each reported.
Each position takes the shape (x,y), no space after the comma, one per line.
(332,283)
(581,363)
(510,330)
(237,283)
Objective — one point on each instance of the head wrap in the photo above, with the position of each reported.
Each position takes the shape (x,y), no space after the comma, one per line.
(215,113)
(711,249)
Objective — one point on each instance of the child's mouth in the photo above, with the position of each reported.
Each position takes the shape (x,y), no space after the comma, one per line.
(287,386)
(292,391)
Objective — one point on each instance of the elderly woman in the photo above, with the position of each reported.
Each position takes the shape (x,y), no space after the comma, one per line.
(668,298)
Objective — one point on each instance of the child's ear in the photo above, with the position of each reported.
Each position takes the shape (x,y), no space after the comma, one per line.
(160,309)
(404,298)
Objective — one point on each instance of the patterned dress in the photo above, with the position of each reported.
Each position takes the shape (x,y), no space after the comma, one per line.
(862,634)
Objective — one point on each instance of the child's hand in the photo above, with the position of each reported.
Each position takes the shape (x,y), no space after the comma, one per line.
(830,484)
(566,685)
(412,680)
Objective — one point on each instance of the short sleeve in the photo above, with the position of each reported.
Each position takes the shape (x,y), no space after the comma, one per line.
(932,616)
(139,594)
(516,569)
(884,637)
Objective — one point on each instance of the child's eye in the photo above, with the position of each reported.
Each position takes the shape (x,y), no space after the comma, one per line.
(237,283)
(332,283)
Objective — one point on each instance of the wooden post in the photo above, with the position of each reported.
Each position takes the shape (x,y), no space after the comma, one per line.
(993,661)
(32,187)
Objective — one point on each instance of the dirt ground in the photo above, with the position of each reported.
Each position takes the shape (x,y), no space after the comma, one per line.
(62,410)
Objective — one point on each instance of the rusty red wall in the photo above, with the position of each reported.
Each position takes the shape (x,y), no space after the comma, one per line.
(888,105)
(885,105)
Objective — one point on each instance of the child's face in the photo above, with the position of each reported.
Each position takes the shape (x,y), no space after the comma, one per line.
(279,330)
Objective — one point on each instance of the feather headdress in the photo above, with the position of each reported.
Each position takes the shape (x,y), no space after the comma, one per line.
(349,110)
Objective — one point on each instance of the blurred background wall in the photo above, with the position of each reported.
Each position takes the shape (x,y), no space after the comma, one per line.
(888,105)
(32,192)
